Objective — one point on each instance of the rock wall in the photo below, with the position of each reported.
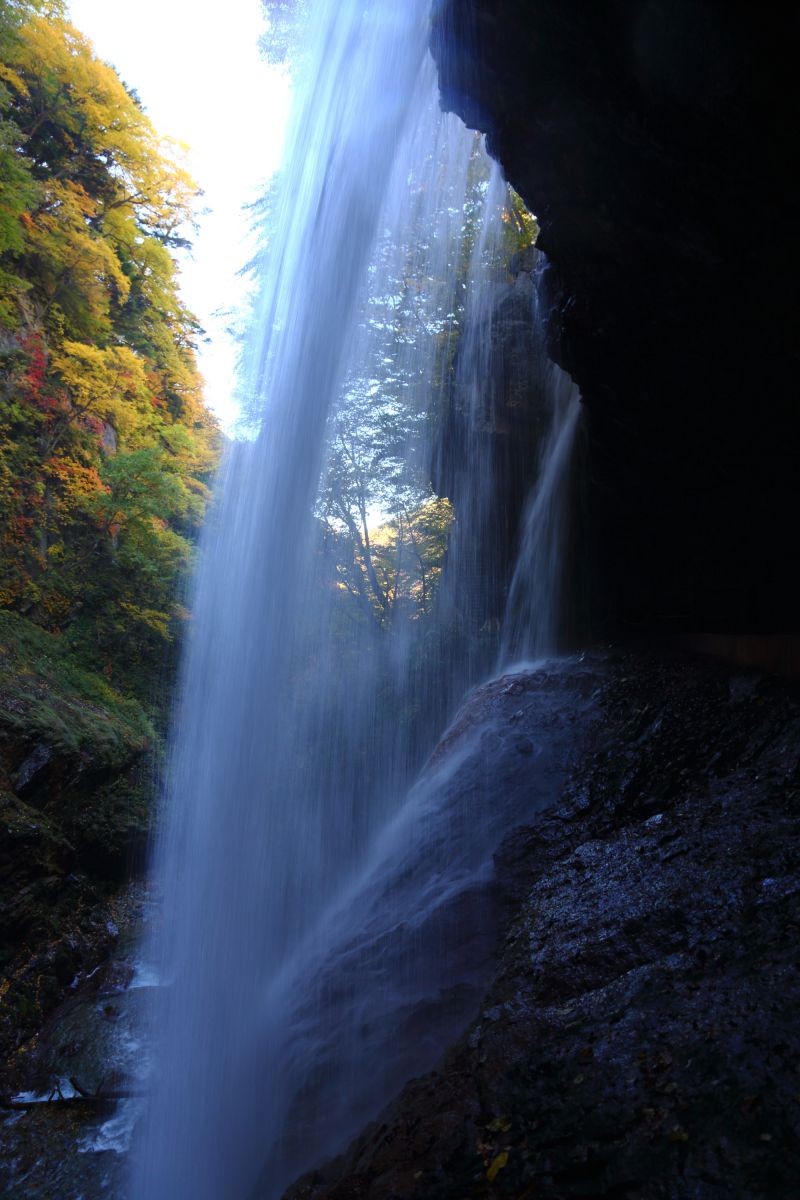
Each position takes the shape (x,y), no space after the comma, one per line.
(655,141)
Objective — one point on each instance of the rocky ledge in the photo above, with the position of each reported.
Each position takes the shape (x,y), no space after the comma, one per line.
(639,1038)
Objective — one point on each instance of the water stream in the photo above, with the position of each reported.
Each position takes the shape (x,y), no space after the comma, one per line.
(313,946)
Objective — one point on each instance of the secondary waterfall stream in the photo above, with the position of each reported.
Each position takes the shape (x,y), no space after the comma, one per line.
(310,946)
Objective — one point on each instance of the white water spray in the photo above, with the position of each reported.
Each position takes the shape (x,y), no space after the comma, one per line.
(285,876)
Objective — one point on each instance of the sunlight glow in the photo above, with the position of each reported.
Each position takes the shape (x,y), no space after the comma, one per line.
(197,71)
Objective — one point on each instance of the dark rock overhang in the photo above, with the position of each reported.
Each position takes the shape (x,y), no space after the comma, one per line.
(655,140)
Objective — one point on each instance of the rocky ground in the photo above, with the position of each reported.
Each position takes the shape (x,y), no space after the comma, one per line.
(639,1040)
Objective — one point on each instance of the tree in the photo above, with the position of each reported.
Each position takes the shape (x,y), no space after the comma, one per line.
(105,444)
(387,529)
(279,42)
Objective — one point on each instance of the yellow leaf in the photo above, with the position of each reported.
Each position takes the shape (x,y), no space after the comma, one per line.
(497,1165)
(14,79)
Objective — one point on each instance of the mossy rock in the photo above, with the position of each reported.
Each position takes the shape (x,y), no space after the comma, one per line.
(111,831)
(47,698)
(76,771)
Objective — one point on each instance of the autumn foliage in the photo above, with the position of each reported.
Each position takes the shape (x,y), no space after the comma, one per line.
(105,445)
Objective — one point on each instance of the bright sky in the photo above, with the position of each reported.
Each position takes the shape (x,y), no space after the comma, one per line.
(196,68)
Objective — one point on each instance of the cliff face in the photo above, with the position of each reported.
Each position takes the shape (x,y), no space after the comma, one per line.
(655,140)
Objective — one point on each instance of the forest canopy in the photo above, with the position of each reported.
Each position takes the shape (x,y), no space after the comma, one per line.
(106,448)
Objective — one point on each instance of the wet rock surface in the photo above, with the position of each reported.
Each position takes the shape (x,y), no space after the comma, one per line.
(406,957)
(639,1039)
(71,1143)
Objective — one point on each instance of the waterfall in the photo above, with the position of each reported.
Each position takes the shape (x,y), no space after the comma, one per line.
(534,615)
(311,901)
